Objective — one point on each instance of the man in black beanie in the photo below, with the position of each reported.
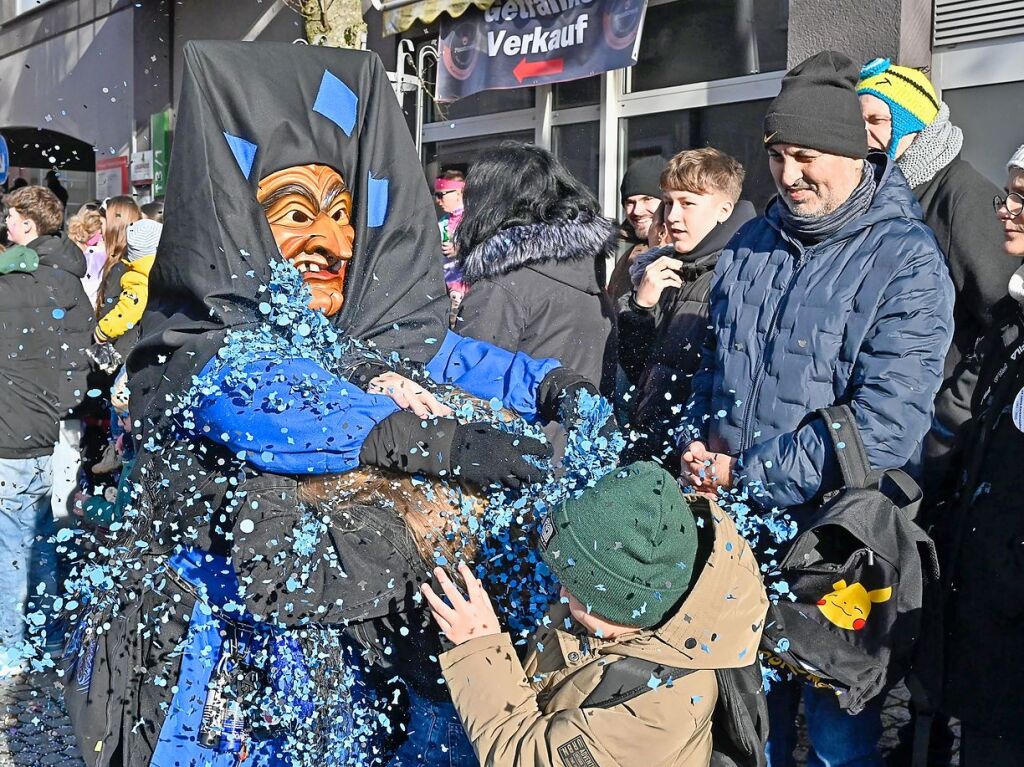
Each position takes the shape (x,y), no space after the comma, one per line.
(838,294)
(640,193)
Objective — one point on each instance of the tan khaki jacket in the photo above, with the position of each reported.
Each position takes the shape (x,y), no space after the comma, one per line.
(530,716)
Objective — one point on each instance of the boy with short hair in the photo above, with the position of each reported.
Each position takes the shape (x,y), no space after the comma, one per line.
(663,320)
(659,582)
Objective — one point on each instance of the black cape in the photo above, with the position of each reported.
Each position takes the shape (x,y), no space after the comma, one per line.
(251,109)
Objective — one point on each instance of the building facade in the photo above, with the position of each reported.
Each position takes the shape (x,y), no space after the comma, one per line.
(705,74)
(81,79)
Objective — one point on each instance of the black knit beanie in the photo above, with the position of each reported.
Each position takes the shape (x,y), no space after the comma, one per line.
(643,177)
(818,107)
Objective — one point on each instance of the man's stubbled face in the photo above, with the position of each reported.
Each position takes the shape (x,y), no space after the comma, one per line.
(309,209)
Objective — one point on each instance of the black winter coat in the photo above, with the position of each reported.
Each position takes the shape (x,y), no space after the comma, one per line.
(46,324)
(982,549)
(659,348)
(363,572)
(957,206)
(534,289)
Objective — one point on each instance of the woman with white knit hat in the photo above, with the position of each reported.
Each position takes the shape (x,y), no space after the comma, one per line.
(984,531)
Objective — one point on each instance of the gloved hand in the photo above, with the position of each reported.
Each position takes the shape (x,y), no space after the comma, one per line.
(474,452)
(482,456)
(558,399)
(104,357)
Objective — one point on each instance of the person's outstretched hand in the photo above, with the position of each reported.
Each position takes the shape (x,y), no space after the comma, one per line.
(408,395)
(706,471)
(468,617)
(483,456)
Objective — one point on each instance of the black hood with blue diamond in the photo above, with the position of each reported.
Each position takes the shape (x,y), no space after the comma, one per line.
(248,110)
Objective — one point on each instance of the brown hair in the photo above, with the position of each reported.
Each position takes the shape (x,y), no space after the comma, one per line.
(430,510)
(121,211)
(453,175)
(84,224)
(39,205)
(704,171)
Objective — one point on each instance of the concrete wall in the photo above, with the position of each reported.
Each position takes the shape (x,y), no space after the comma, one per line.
(863,29)
(220,20)
(68,71)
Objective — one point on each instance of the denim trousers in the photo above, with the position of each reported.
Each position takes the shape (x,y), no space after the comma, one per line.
(435,737)
(27,553)
(836,738)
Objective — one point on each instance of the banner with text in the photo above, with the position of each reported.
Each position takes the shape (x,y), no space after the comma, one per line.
(533,42)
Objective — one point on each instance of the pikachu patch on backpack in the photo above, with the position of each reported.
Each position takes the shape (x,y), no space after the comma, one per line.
(848,606)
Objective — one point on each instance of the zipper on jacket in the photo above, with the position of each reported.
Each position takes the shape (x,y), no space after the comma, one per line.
(746,426)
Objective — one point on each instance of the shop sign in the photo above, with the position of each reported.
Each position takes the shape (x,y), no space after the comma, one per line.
(142,167)
(159,133)
(517,43)
(111,176)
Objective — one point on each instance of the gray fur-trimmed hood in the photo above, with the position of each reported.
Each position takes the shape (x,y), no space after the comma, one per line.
(537,244)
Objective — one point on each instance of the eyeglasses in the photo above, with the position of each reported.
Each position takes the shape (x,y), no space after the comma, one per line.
(1013,202)
(440,195)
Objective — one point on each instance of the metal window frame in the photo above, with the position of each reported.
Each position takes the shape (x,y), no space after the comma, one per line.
(971,65)
(615,106)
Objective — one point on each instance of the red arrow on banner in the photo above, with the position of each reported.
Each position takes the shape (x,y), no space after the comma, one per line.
(525,69)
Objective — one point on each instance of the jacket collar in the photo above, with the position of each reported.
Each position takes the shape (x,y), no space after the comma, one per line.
(717,625)
(536,244)
(894,199)
(56,250)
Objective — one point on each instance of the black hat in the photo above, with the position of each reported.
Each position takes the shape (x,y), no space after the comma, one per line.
(643,177)
(818,107)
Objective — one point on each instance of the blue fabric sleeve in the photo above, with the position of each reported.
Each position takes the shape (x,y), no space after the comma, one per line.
(288,416)
(895,379)
(490,372)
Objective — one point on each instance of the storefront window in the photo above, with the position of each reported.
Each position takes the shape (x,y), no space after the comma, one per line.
(483,103)
(460,154)
(578,146)
(694,41)
(733,128)
(577,93)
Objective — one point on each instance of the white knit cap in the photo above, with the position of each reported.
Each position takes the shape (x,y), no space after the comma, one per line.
(143,237)
(1017,161)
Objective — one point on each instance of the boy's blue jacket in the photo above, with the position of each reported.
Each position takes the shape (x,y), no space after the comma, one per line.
(863,318)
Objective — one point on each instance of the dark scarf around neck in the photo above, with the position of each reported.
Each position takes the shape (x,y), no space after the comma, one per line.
(811,230)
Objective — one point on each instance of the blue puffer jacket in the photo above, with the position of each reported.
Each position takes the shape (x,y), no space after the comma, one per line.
(864,318)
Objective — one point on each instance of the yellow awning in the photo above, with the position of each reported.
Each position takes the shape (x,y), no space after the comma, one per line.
(401,18)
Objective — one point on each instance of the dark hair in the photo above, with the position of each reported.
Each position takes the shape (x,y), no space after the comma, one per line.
(39,205)
(154,210)
(515,185)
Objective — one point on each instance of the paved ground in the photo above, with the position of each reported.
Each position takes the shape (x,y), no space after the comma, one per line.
(36,731)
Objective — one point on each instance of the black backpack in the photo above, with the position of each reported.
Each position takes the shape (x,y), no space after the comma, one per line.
(858,575)
(739,728)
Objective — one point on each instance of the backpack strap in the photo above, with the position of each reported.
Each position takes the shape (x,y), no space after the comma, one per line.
(847,445)
(628,678)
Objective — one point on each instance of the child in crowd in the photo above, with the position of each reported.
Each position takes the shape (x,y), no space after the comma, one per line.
(655,586)
(85,229)
(662,321)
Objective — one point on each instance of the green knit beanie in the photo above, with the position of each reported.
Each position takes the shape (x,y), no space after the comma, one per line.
(626,546)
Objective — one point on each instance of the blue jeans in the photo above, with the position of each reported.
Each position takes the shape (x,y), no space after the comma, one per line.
(836,738)
(435,737)
(27,555)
